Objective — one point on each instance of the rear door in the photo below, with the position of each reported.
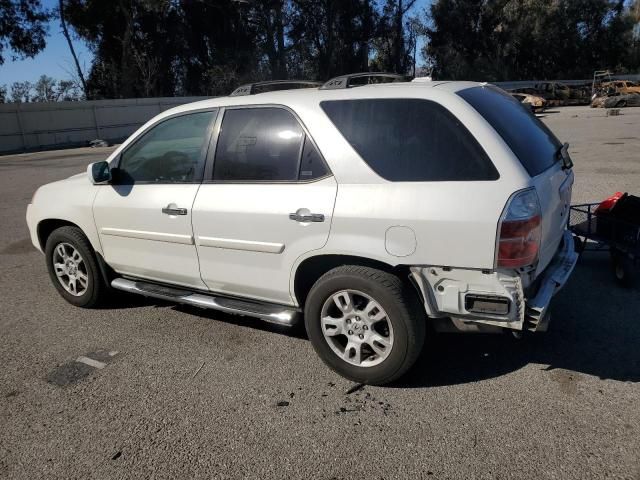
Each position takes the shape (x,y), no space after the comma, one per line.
(268,199)
(537,149)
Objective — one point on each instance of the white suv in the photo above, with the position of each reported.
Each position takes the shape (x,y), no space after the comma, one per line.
(373,210)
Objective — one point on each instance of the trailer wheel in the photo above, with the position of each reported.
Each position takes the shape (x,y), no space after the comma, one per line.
(623,269)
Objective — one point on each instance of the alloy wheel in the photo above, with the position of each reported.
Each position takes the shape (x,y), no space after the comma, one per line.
(357,328)
(70,269)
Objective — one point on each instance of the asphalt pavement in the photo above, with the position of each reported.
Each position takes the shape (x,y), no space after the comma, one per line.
(146,389)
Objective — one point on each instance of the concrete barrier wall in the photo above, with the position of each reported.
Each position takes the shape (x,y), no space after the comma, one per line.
(37,126)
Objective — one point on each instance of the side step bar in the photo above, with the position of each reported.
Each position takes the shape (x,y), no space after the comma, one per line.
(272,313)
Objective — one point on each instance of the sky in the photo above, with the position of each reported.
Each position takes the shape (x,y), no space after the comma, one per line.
(56,60)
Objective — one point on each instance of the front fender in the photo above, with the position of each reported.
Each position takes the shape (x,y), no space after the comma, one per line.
(68,201)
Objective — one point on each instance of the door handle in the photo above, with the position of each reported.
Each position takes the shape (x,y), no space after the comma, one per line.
(173,209)
(301,217)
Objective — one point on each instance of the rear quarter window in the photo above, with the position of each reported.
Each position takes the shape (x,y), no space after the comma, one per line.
(528,138)
(410,140)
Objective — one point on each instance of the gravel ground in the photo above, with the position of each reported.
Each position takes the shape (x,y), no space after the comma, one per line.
(191,394)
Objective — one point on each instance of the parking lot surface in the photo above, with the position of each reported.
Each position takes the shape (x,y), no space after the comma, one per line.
(146,389)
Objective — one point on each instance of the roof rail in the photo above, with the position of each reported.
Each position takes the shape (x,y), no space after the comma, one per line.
(250,88)
(344,81)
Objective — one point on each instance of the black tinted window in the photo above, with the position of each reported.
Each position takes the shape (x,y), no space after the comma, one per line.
(258,144)
(172,151)
(529,139)
(410,140)
(312,165)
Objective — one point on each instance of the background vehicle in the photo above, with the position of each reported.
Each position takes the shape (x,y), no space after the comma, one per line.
(535,103)
(621,87)
(616,101)
(373,210)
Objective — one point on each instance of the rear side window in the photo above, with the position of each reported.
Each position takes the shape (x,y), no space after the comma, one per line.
(312,165)
(265,145)
(410,140)
(527,137)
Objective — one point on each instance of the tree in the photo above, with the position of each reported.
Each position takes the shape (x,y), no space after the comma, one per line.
(393,54)
(21,92)
(219,47)
(531,39)
(272,21)
(67,91)
(22,27)
(65,31)
(45,89)
(3,93)
(332,37)
(127,37)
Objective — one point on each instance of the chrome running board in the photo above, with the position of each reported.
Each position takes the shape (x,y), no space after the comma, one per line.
(268,312)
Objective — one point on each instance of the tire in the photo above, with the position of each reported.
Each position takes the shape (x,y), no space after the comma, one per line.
(621,104)
(401,319)
(623,269)
(71,239)
(578,244)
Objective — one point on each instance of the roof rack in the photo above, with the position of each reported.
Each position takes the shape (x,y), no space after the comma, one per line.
(250,88)
(344,81)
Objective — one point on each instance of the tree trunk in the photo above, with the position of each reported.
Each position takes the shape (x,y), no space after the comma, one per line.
(281,54)
(65,31)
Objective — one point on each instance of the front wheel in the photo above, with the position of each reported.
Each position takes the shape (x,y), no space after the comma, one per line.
(365,324)
(73,267)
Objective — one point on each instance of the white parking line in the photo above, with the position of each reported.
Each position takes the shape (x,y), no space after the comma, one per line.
(91,362)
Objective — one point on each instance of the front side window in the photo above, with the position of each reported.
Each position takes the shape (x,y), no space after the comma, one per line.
(410,140)
(170,152)
(258,144)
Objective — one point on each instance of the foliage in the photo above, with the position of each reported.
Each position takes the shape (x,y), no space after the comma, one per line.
(153,48)
(392,54)
(181,47)
(528,39)
(46,89)
(22,27)
(21,92)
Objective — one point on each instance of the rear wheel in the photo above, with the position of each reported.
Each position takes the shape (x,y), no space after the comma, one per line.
(73,267)
(365,324)
(623,268)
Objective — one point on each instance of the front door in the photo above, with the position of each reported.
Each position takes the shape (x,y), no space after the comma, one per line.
(268,201)
(144,217)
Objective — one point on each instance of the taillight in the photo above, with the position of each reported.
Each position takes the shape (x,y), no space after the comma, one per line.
(520,231)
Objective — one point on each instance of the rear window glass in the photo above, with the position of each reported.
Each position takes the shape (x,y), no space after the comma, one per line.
(410,140)
(530,140)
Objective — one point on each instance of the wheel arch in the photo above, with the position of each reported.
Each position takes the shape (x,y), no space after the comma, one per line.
(312,268)
(47,226)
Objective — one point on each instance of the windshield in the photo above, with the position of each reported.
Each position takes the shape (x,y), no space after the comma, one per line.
(530,140)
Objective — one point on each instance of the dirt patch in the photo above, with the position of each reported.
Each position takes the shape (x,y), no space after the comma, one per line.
(567,381)
(69,373)
(18,248)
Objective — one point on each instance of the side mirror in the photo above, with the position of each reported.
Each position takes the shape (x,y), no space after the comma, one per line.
(99,173)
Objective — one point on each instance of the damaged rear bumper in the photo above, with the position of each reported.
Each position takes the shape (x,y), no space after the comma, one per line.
(552,280)
(476,300)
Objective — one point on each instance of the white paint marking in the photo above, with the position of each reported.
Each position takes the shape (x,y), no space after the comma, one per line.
(113,353)
(91,362)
